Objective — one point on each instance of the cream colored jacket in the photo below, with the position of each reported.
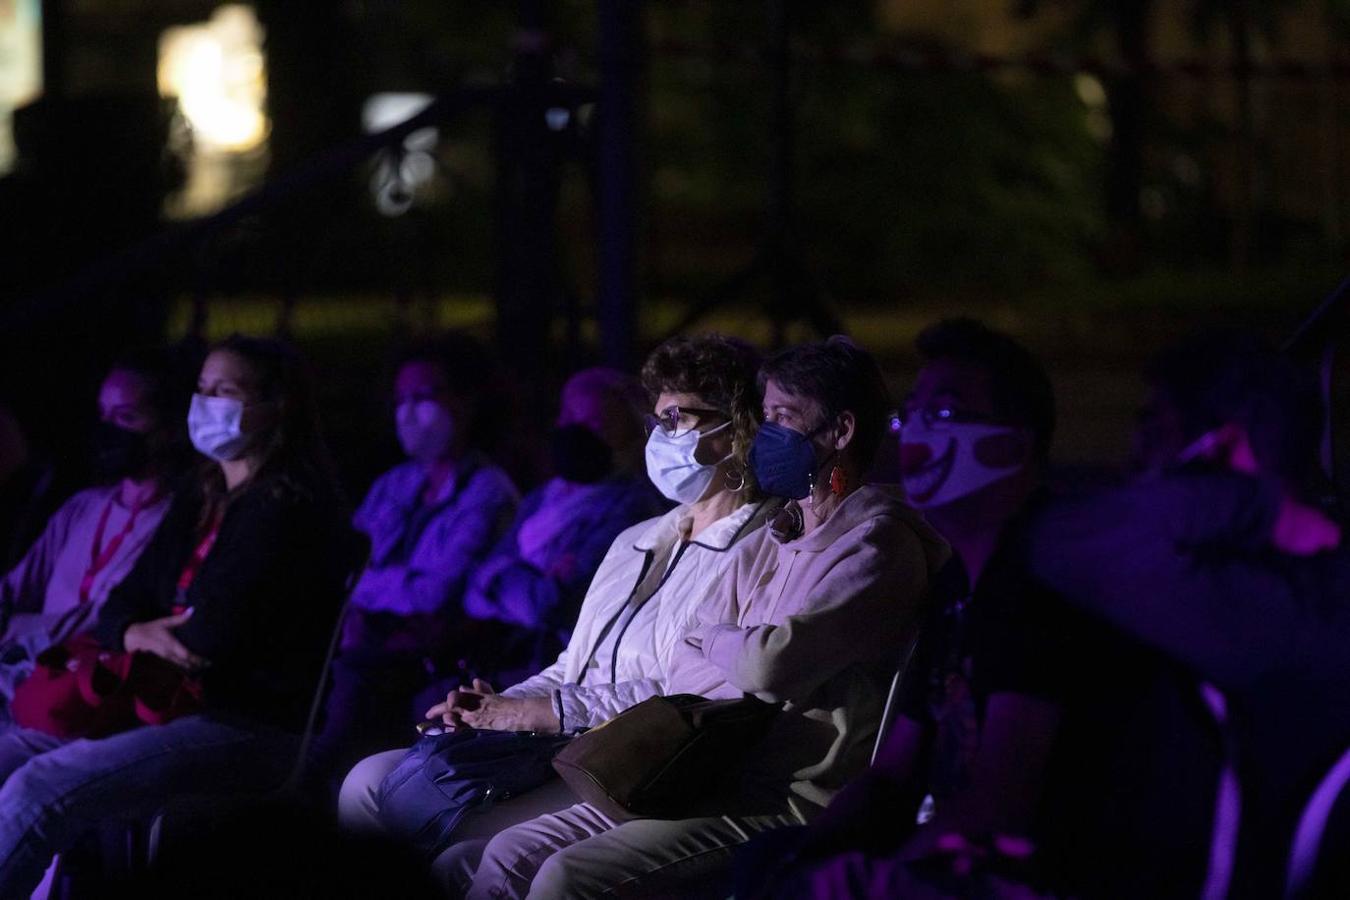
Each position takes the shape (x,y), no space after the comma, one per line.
(646,591)
(818,624)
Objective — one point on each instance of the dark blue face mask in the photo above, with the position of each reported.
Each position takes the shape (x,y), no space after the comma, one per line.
(783,460)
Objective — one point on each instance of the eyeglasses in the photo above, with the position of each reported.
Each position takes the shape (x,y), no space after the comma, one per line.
(668,419)
(936,417)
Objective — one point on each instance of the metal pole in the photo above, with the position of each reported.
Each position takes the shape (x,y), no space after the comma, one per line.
(620,35)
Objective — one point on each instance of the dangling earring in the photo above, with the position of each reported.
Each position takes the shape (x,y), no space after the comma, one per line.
(838,481)
(811,491)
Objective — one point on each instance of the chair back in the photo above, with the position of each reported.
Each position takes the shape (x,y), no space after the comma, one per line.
(891,710)
(1312,826)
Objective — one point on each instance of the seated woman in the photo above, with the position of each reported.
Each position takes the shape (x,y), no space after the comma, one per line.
(254,554)
(535,578)
(431,521)
(812,612)
(92,541)
(644,593)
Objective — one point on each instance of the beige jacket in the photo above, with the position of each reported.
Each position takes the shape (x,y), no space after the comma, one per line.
(645,592)
(818,624)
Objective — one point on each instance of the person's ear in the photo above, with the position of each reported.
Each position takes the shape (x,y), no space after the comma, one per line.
(846,427)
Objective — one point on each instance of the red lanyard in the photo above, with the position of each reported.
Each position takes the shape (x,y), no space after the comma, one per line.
(198,557)
(100,556)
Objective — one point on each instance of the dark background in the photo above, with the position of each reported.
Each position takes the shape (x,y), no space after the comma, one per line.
(1096,177)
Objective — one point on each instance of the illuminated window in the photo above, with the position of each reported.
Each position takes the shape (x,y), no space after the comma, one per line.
(215,71)
(20,66)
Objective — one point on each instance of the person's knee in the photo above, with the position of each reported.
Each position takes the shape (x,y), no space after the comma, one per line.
(564,874)
(454,868)
(33,794)
(358,798)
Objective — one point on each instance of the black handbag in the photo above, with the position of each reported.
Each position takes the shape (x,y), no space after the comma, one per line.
(665,758)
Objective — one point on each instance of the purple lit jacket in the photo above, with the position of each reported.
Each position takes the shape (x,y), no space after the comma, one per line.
(538,572)
(421,555)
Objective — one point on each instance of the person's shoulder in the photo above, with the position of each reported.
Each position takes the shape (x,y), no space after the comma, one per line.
(633,535)
(749,545)
(489,478)
(886,518)
(635,496)
(407,474)
(82,501)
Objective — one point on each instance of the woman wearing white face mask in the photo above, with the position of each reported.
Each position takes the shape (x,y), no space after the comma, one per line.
(431,520)
(643,595)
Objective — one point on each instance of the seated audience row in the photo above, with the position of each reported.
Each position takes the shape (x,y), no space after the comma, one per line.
(1129,692)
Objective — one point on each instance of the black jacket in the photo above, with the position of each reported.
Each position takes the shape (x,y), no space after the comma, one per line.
(264,601)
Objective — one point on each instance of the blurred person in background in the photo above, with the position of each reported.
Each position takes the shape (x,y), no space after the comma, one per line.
(431,521)
(534,580)
(1222,563)
(92,541)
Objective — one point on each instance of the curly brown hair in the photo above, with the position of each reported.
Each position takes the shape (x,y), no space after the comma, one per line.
(722,371)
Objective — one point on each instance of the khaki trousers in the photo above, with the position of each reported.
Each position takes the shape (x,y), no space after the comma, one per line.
(580,852)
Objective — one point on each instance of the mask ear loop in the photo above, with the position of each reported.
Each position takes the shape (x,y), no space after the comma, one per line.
(741,481)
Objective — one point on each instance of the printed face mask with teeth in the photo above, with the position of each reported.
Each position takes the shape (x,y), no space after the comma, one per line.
(940,464)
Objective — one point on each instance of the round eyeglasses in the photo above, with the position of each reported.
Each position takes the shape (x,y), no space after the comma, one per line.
(669,419)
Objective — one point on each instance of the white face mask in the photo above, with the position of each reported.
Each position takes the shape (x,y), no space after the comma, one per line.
(952,470)
(215,425)
(425,429)
(672,467)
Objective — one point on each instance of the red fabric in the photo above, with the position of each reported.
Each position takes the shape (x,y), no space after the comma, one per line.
(78,690)
(198,557)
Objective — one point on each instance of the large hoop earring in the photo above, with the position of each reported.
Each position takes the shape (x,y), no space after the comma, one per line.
(739,472)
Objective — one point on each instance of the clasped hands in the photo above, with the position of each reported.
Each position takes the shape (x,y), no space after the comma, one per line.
(482,708)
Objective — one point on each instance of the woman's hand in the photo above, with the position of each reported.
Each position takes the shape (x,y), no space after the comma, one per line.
(157,637)
(458,701)
(483,708)
(498,713)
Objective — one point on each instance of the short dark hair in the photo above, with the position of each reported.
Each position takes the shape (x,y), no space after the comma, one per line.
(840,376)
(1020,390)
(719,369)
(1221,375)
